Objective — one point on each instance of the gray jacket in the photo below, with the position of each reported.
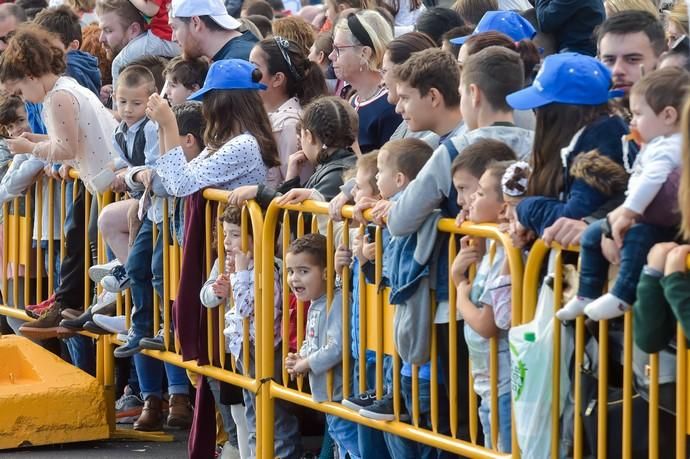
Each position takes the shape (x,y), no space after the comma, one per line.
(323,346)
(434,181)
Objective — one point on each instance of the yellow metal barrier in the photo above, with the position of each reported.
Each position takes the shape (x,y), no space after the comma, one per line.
(22,262)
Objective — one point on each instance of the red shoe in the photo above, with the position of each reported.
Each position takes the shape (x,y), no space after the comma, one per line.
(35,310)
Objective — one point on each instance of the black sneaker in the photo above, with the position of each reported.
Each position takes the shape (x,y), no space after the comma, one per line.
(382,410)
(363,400)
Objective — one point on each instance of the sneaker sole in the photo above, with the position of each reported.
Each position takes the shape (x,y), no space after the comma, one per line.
(126,420)
(39,333)
(376,416)
(96,273)
(105,326)
(121,354)
(152,347)
(353,406)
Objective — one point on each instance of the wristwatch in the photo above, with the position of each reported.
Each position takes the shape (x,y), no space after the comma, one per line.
(606,228)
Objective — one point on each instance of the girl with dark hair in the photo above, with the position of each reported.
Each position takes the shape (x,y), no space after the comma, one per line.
(240,147)
(292,81)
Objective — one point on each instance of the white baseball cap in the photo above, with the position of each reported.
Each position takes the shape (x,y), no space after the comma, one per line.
(214,8)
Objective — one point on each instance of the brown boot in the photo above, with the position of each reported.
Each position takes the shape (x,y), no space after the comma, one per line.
(180,414)
(151,418)
(45,326)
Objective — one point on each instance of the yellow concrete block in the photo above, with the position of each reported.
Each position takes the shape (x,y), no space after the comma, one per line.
(44,400)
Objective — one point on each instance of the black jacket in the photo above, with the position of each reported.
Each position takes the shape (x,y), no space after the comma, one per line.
(572,22)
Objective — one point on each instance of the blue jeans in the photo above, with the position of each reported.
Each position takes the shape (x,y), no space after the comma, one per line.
(344,433)
(594,267)
(401,448)
(139,264)
(150,373)
(371,441)
(83,353)
(504,429)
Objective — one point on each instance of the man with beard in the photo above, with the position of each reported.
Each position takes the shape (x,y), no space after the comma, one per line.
(630,44)
(125,36)
(204,28)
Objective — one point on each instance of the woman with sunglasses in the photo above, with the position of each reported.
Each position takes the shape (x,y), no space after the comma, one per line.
(359,43)
(292,81)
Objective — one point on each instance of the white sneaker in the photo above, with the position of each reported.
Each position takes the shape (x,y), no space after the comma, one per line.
(98,272)
(122,337)
(606,307)
(105,300)
(112,324)
(117,280)
(229,452)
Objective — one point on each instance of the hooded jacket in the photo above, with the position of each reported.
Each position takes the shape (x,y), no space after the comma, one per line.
(83,67)
(579,198)
(435,184)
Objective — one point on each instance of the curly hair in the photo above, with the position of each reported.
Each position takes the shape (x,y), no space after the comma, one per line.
(314,245)
(90,43)
(296,29)
(10,105)
(31,52)
(328,119)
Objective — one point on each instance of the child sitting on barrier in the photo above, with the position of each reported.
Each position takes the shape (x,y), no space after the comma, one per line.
(649,214)
(235,288)
(485,303)
(322,350)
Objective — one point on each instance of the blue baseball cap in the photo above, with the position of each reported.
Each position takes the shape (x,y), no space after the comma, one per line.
(507,22)
(566,78)
(228,74)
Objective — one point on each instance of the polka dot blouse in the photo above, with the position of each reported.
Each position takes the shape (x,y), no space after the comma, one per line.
(235,164)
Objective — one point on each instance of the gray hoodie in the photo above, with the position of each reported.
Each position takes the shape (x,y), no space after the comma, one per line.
(323,347)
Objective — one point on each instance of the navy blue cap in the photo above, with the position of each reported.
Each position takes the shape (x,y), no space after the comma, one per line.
(566,78)
(228,74)
(507,22)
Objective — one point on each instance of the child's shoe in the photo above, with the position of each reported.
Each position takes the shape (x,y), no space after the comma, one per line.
(606,307)
(116,281)
(106,303)
(573,308)
(363,400)
(130,347)
(111,324)
(45,327)
(128,407)
(382,410)
(98,272)
(157,343)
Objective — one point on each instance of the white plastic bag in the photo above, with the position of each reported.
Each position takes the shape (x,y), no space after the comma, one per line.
(531,355)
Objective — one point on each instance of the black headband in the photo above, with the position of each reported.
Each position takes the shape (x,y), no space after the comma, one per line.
(358,30)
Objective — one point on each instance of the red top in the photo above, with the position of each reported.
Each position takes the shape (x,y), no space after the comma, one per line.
(159,23)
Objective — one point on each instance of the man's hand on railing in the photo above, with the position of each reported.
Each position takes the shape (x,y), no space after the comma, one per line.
(240,195)
(565,231)
(295,196)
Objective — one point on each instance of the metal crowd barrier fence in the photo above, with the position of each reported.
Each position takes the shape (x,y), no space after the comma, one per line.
(25,280)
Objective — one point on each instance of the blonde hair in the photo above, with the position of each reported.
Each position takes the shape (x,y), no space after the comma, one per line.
(678,15)
(684,188)
(80,6)
(379,31)
(616,6)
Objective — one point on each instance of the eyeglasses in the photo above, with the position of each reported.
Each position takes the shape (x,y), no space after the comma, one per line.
(284,47)
(337,48)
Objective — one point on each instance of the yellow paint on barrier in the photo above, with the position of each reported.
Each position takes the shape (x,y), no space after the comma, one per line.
(44,400)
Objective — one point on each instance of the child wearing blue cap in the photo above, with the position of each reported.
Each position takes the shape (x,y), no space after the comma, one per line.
(240,146)
(570,94)
(649,214)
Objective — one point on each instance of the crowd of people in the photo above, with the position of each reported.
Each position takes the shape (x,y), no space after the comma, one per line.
(556,120)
